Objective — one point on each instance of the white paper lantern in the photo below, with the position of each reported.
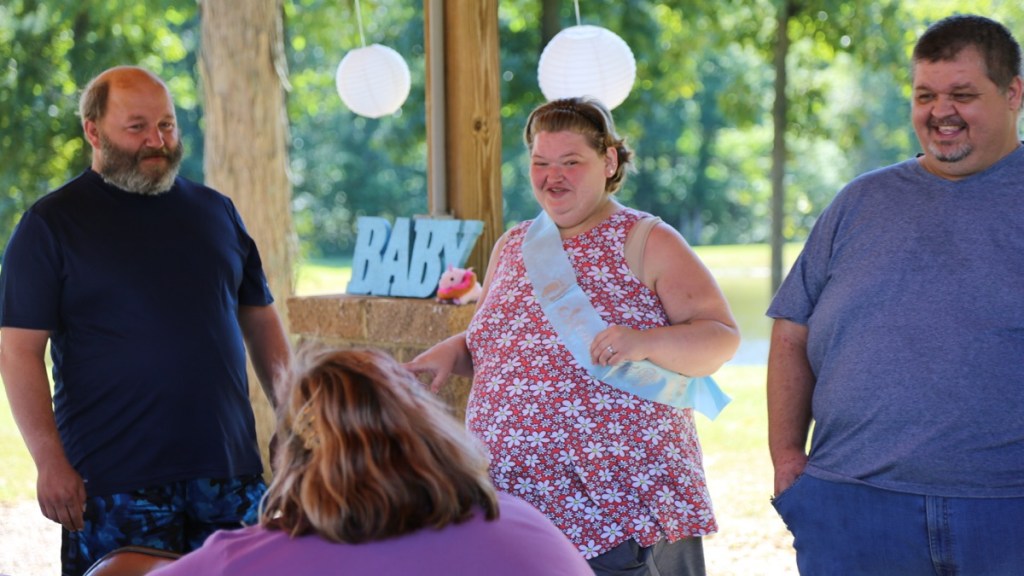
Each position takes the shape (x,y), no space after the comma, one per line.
(373,81)
(587,61)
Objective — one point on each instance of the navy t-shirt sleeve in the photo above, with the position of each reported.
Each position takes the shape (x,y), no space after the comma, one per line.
(30,277)
(254,289)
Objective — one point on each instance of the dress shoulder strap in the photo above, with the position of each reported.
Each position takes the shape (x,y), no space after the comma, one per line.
(635,243)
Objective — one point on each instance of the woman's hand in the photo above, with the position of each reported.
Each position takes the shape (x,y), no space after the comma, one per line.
(616,344)
(448,357)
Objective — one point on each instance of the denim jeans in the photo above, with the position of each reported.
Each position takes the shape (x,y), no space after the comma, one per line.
(844,529)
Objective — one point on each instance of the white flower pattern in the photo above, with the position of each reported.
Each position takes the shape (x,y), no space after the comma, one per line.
(602,464)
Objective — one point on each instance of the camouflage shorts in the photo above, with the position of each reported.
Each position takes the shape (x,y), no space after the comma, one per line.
(176,517)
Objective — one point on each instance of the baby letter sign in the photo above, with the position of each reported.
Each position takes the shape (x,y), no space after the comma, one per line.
(407,260)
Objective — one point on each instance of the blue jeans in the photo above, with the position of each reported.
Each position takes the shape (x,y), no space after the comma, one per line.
(176,517)
(850,529)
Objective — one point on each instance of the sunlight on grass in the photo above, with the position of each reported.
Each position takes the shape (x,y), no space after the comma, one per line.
(744,275)
(735,444)
(18,479)
(323,276)
(752,540)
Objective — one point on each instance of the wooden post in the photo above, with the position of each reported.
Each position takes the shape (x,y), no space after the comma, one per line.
(471,116)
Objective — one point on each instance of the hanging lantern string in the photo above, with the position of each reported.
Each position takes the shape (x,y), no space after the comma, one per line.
(577,3)
(359,20)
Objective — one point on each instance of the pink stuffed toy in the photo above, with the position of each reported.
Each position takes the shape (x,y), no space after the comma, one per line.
(458,286)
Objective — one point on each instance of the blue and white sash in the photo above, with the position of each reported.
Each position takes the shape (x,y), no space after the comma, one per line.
(577,323)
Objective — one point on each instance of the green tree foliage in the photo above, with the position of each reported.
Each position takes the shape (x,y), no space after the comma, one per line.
(48,50)
(671,132)
(345,166)
(698,115)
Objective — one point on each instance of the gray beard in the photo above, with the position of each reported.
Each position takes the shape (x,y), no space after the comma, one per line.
(121,169)
(954,156)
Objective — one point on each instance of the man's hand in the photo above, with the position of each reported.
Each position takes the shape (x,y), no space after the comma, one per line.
(787,469)
(61,495)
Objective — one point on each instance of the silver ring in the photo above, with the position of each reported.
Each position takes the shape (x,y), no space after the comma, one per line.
(610,350)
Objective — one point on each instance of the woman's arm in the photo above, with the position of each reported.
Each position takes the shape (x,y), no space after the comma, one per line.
(702,334)
(451,356)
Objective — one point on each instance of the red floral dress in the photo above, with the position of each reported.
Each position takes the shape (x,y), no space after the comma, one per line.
(602,464)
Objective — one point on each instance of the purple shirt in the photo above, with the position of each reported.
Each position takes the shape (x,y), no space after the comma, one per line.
(520,542)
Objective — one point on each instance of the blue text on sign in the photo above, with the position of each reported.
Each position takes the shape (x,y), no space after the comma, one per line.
(407,260)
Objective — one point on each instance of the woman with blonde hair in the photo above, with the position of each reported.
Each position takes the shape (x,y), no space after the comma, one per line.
(374,476)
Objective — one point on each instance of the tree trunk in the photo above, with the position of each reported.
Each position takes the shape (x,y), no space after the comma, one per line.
(550,23)
(779,145)
(244,78)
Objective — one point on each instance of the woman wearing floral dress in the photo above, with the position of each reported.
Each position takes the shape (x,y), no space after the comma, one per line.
(621,476)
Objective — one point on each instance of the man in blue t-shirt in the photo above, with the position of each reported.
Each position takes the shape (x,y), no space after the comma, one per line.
(149,290)
(900,333)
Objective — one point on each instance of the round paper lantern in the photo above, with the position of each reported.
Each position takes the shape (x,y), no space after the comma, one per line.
(373,81)
(587,61)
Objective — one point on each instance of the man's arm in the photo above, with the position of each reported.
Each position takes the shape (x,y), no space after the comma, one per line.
(790,387)
(59,488)
(267,345)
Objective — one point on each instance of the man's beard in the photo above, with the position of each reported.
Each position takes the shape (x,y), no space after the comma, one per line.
(959,152)
(122,168)
(955,155)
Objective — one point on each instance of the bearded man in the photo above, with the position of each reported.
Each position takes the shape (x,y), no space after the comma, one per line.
(149,291)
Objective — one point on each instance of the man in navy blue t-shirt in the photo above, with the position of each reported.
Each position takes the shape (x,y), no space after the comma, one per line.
(149,290)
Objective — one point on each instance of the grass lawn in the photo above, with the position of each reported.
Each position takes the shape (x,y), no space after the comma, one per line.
(734,445)
(323,276)
(18,479)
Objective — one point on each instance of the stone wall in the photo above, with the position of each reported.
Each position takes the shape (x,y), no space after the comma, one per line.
(403,327)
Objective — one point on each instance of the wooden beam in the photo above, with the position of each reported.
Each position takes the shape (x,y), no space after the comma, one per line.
(472,119)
